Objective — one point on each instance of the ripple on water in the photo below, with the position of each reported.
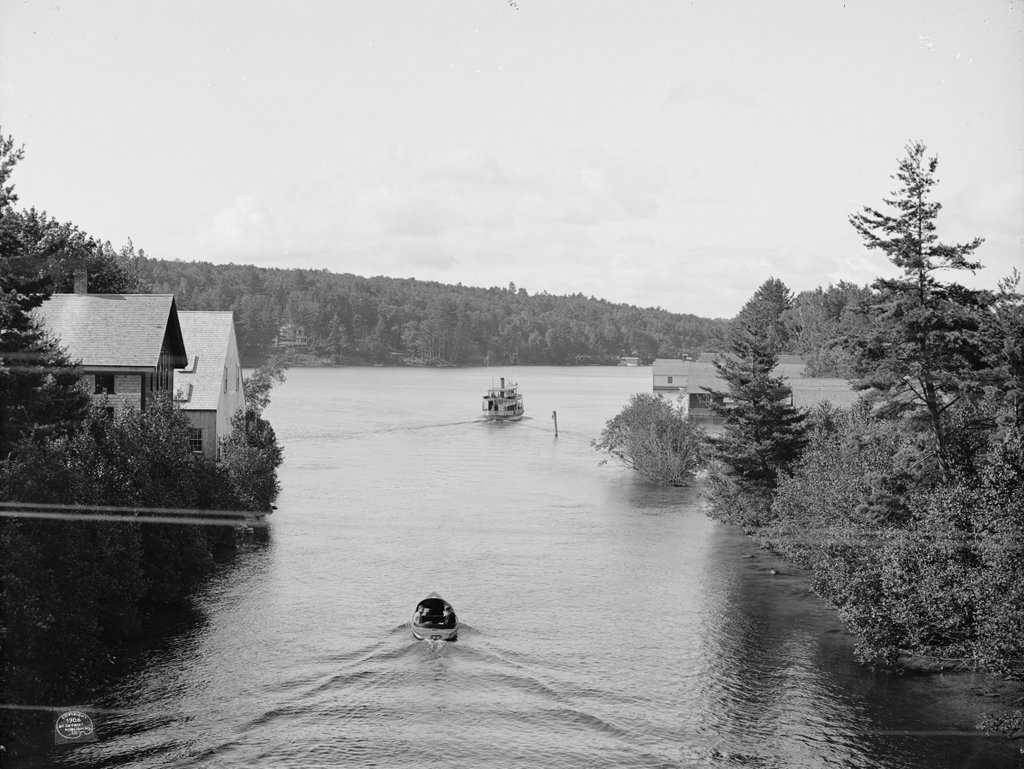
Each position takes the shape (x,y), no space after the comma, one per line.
(608,623)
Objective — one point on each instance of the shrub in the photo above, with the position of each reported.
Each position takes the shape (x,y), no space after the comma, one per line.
(655,439)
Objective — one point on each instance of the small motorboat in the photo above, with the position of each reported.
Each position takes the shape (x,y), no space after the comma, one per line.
(434,620)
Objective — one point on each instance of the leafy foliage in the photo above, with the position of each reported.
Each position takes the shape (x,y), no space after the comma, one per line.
(943,584)
(817,320)
(654,438)
(258,385)
(251,454)
(83,584)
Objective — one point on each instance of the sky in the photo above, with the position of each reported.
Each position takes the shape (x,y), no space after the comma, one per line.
(660,153)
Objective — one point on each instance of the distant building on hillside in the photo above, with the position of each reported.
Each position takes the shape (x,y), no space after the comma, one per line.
(627,360)
(291,337)
(209,389)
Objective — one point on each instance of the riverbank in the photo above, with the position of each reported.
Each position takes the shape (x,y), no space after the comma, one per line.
(895,591)
(982,701)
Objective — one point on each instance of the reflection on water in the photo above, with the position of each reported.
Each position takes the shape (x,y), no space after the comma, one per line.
(607,623)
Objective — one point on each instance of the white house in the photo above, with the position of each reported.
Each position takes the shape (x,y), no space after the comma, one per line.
(209,389)
(671,374)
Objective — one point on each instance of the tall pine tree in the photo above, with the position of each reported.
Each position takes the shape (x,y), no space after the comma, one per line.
(924,349)
(763,433)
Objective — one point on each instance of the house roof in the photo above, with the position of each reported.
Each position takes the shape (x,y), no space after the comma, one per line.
(669,366)
(116,330)
(791,366)
(809,392)
(785,359)
(207,335)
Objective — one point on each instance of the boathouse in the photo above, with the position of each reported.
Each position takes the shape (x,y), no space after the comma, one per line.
(685,380)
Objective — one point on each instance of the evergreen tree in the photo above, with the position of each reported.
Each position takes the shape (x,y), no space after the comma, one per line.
(39,388)
(764,433)
(1006,345)
(924,350)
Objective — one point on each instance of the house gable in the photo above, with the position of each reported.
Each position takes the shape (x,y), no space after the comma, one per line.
(126,331)
(127,345)
(209,388)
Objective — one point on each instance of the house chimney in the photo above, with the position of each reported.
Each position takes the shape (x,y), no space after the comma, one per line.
(81,280)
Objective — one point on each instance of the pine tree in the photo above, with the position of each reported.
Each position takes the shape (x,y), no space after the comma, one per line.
(923,351)
(764,434)
(39,390)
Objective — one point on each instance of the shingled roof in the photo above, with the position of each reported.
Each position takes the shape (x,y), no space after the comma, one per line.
(116,330)
(207,335)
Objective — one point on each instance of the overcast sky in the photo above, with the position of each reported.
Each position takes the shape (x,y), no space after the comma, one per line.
(671,153)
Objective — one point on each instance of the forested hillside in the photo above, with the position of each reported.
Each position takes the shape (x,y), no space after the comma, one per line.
(352,319)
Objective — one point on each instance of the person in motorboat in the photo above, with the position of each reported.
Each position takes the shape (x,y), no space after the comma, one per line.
(429,618)
(425,617)
(434,618)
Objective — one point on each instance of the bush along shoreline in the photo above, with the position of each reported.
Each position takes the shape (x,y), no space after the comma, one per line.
(932,580)
(79,591)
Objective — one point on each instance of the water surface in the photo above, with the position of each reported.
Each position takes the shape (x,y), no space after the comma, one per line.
(606,622)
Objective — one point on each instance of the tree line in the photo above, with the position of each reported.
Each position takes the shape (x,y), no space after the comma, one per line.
(907,509)
(352,319)
(83,565)
(349,319)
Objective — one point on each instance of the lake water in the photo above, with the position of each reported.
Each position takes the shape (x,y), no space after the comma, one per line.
(606,622)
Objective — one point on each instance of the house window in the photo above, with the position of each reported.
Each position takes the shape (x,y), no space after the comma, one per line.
(670,380)
(104,383)
(195,439)
(225,379)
